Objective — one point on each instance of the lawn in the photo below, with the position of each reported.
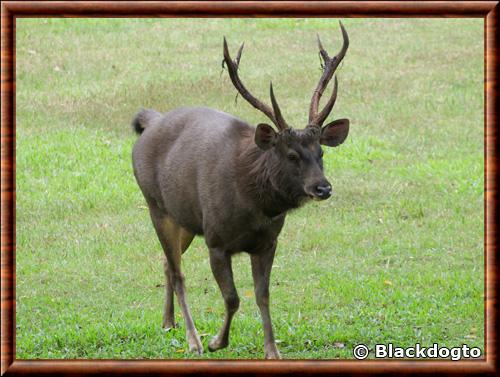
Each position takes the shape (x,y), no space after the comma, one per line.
(395,256)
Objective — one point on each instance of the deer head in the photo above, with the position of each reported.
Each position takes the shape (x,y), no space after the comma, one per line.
(298,151)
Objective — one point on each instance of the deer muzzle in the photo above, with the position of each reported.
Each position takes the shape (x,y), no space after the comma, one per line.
(320,190)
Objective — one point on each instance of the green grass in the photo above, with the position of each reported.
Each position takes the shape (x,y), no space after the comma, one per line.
(395,256)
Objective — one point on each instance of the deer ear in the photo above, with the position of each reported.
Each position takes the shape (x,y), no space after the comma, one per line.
(265,136)
(334,133)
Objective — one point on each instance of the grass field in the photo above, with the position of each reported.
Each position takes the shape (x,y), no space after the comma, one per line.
(396,256)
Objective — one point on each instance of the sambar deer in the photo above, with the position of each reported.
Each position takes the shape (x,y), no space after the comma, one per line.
(204,172)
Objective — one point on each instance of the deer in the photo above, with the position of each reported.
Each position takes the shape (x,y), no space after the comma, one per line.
(207,173)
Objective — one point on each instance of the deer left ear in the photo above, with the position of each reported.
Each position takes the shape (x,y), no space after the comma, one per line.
(334,133)
(265,136)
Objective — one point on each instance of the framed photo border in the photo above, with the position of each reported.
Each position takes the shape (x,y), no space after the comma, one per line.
(11,10)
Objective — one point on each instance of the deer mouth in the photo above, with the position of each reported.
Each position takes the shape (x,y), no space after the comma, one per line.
(315,198)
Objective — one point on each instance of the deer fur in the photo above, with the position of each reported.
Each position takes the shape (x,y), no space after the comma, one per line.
(204,172)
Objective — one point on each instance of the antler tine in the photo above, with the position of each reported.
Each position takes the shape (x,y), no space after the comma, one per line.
(232,67)
(329,105)
(238,56)
(322,51)
(331,65)
(277,112)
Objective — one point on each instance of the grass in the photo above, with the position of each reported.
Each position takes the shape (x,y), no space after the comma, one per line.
(396,256)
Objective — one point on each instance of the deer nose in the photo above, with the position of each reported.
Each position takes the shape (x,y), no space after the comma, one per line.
(323,191)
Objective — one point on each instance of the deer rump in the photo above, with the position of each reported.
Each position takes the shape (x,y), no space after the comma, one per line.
(190,164)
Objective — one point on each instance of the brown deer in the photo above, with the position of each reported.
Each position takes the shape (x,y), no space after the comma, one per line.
(204,172)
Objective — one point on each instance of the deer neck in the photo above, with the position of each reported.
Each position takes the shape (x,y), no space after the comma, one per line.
(259,176)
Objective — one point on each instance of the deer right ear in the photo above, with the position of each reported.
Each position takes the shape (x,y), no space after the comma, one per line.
(265,136)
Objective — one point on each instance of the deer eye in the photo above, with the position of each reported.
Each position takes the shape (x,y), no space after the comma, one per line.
(321,153)
(293,156)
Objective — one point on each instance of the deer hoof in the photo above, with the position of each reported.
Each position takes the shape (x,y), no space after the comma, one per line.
(216,344)
(272,353)
(196,349)
(195,346)
(169,325)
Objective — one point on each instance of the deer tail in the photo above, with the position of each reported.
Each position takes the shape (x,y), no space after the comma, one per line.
(143,119)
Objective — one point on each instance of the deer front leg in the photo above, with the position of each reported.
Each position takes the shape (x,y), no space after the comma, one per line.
(262,263)
(220,262)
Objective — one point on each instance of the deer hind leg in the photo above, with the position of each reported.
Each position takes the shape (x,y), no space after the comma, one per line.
(168,311)
(174,239)
(185,239)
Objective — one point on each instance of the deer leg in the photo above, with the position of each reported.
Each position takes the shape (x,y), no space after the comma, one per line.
(220,262)
(169,235)
(185,239)
(262,263)
(168,312)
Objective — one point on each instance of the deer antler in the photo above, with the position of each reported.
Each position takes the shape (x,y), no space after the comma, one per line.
(273,114)
(330,65)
